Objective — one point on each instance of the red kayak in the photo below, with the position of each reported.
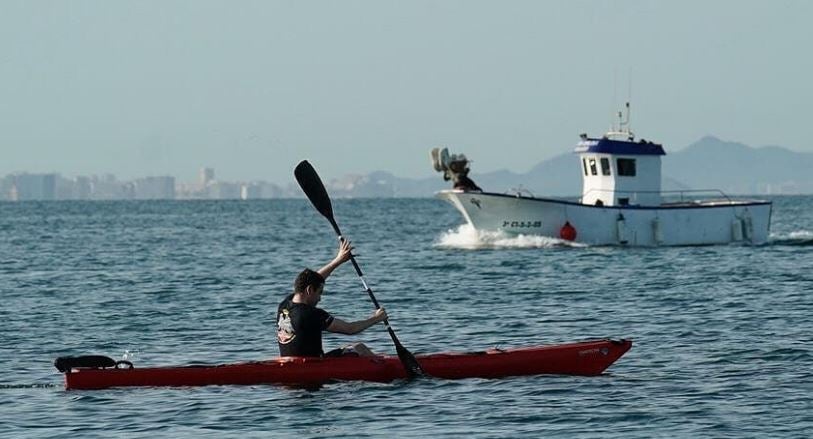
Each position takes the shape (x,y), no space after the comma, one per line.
(584,358)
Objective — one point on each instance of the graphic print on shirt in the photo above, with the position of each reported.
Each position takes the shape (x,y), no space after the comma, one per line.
(285,330)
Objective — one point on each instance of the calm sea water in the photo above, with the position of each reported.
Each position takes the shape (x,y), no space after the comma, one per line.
(723,335)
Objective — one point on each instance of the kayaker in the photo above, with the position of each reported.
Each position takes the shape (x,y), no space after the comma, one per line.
(300,323)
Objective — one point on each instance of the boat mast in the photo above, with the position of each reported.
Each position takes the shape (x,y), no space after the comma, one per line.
(623,128)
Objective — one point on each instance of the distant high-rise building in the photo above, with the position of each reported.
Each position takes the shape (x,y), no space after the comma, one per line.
(250,191)
(106,187)
(206,176)
(82,188)
(65,188)
(34,187)
(6,183)
(221,190)
(154,188)
(270,190)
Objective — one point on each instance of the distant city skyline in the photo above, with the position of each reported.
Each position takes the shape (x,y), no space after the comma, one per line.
(28,186)
(710,164)
(250,88)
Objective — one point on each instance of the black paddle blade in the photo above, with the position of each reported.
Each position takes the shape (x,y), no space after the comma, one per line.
(413,368)
(312,185)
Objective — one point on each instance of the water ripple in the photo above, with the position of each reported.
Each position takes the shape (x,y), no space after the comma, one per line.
(722,334)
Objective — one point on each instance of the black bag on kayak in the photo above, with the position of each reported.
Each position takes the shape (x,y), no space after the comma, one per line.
(65,364)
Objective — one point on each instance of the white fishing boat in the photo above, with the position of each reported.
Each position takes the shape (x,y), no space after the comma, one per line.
(621,201)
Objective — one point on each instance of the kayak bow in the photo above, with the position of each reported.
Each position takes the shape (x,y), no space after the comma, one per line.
(583,358)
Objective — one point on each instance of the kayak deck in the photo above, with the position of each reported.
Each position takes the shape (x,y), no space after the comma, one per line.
(583,358)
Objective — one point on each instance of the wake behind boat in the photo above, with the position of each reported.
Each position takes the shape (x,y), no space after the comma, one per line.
(583,358)
(621,202)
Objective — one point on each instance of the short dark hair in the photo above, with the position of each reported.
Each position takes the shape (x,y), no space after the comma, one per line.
(306,279)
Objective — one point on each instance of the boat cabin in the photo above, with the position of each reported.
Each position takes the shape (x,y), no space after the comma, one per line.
(617,170)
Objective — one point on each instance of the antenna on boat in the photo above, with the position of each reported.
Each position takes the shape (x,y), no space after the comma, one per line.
(630,136)
(623,128)
(627,128)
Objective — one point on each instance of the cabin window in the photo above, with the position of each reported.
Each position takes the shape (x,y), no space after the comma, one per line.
(584,165)
(593,169)
(605,166)
(626,167)
(623,201)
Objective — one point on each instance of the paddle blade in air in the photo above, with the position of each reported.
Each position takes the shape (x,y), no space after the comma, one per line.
(312,185)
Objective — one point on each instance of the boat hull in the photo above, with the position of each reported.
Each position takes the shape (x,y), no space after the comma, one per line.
(690,223)
(584,358)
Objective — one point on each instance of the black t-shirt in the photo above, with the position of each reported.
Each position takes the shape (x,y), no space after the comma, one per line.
(299,328)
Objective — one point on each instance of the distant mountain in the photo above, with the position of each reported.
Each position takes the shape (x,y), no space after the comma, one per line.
(557,176)
(736,168)
(709,163)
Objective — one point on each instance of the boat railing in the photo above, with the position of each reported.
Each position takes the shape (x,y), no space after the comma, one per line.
(681,194)
(520,192)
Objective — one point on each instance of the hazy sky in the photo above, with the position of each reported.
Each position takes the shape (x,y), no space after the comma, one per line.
(142,88)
